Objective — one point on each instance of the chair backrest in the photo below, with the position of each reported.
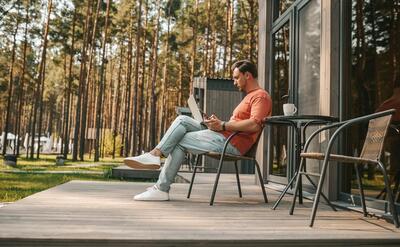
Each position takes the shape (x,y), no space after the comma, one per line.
(252,151)
(377,129)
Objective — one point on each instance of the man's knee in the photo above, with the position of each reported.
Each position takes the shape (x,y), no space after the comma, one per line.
(188,140)
(182,118)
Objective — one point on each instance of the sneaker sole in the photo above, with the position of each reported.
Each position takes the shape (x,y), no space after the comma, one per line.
(154,200)
(140,166)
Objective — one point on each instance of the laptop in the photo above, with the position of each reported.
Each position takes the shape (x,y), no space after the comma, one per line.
(196,113)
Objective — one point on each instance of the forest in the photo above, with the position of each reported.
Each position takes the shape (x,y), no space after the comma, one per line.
(104,76)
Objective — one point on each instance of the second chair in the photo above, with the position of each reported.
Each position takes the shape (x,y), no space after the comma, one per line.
(370,154)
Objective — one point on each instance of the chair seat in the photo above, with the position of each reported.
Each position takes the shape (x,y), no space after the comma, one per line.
(228,157)
(337,157)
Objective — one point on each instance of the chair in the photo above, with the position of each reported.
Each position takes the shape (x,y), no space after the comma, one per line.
(250,155)
(370,154)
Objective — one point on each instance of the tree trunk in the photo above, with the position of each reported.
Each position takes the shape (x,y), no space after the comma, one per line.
(394,44)
(101,86)
(134,139)
(117,103)
(30,127)
(230,36)
(128,110)
(82,77)
(226,40)
(89,77)
(154,79)
(39,86)
(194,47)
(180,83)
(252,23)
(207,46)
(63,103)
(123,117)
(69,90)
(43,76)
(88,145)
(142,111)
(147,78)
(164,85)
(10,87)
(363,99)
(21,100)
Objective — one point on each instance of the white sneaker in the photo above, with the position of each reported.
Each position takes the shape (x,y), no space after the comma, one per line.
(145,161)
(152,194)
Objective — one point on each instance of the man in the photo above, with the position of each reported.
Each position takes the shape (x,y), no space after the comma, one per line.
(188,135)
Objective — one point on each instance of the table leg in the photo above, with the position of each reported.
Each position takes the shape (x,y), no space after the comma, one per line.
(297,165)
(298,148)
(283,193)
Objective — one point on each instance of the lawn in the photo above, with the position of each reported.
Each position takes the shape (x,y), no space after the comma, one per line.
(15,186)
(47,162)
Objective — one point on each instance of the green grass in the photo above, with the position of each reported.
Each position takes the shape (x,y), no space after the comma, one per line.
(48,163)
(372,184)
(15,186)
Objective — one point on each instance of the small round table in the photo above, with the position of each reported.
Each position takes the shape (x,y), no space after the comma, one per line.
(299,123)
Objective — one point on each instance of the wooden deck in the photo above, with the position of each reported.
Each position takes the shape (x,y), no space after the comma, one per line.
(87,213)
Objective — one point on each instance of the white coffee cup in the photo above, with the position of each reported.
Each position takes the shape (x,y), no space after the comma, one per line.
(289,109)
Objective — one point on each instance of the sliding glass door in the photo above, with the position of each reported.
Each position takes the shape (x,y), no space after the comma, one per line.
(373,85)
(294,64)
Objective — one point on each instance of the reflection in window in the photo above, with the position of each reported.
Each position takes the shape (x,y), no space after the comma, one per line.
(279,91)
(374,80)
(309,68)
(309,57)
(280,6)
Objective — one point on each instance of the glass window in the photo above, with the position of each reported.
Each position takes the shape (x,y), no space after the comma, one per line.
(280,74)
(280,6)
(375,85)
(309,68)
(309,57)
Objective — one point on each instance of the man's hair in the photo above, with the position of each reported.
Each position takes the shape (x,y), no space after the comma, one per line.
(246,66)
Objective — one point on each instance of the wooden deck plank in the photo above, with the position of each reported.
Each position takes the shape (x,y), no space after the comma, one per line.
(87,210)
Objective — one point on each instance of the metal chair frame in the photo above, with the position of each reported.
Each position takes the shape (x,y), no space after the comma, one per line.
(250,155)
(327,156)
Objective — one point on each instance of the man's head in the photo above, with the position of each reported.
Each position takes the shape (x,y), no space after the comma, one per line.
(244,75)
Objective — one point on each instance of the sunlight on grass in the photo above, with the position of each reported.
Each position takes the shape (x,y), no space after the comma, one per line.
(48,162)
(17,186)
(14,186)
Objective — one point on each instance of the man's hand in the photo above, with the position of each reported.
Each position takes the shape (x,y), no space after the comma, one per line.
(213,123)
(247,125)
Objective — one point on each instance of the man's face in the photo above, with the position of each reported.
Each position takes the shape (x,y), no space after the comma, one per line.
(239,79)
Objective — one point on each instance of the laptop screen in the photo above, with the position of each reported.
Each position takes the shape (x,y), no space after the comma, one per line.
(194,108)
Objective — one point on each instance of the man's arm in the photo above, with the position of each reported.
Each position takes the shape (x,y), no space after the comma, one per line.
(260,108)
(247,125)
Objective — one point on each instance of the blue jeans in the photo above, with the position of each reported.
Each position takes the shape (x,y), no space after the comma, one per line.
(186,135)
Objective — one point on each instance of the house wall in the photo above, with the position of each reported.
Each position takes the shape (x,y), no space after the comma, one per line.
(264,51)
